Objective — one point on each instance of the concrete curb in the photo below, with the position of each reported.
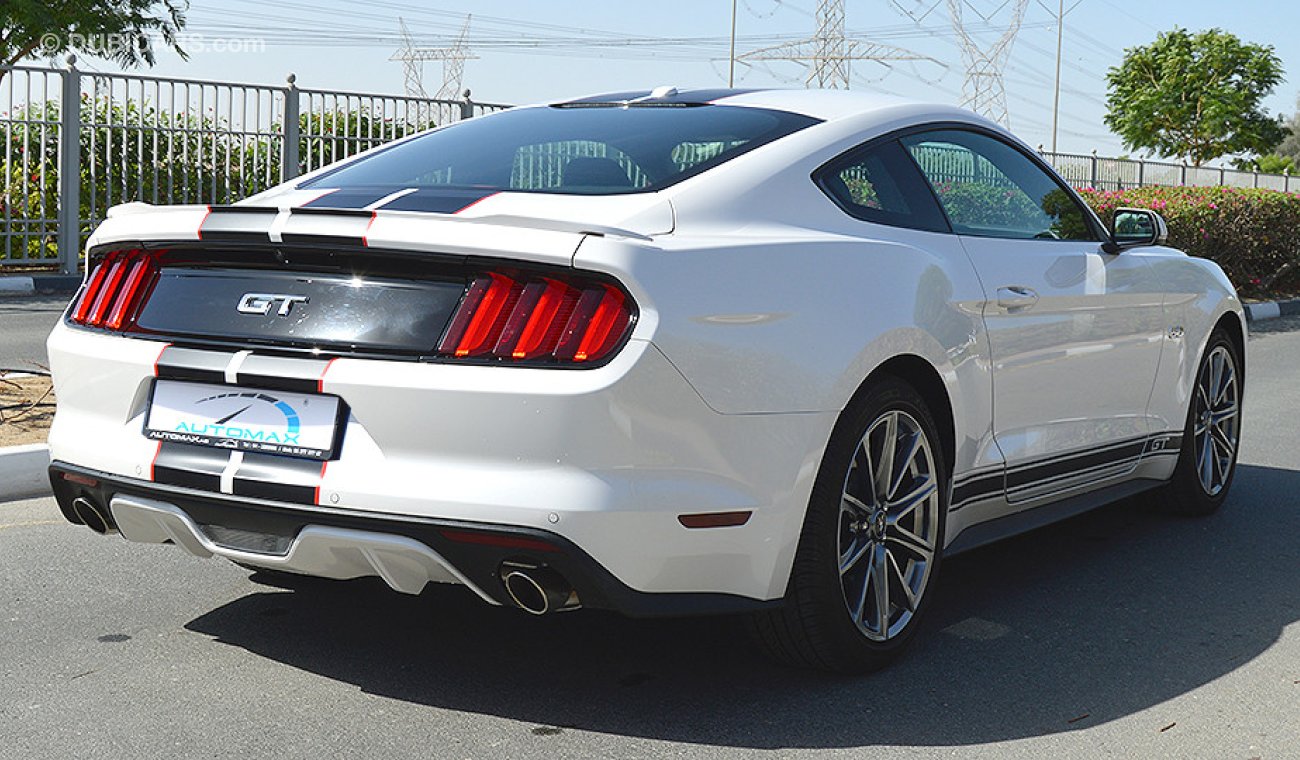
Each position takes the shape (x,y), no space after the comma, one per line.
(24,285)
(1272,309)
(23,471)
(16,286)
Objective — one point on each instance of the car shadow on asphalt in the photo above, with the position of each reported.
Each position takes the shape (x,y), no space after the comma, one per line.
(1073,625)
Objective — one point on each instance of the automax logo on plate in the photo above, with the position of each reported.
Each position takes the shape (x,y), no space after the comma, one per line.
(248,420)
(226,426)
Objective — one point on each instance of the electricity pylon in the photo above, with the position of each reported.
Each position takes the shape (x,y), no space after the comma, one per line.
(829,52)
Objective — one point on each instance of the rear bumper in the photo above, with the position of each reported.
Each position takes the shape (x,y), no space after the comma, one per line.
(608,458)
(406,552)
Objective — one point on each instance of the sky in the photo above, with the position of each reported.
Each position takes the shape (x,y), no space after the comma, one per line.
(544,50)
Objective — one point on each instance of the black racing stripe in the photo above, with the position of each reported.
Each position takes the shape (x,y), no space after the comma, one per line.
(438,200)
(276,382)
(1094,470)
(193,364)
(282,373)
(280,478)
(195,374)
(324,227)
(1081,460)
(180,464)
(174,477)
(237,223)
(978,488)
(349,198)
(293,494)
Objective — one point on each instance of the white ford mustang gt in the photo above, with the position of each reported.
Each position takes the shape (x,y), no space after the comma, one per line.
(773,352)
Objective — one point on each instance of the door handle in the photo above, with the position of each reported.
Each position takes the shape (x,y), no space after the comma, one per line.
(1016,297)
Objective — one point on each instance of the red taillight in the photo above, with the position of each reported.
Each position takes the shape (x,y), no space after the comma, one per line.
(116,290)
(537,319)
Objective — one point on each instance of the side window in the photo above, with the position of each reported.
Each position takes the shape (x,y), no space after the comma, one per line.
(990,189)
(879,184)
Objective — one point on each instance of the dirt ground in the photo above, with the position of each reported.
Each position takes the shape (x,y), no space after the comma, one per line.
(26,409)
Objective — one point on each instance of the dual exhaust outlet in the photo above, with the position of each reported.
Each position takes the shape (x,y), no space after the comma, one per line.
(94,516)
(537,590)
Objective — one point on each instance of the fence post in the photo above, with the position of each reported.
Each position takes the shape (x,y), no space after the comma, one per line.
(1093,183)
(1142,170)
(69,220)
(1182,174)
(1223,176)
(1286,180)
(289,150)
(1256,180)
(466,107)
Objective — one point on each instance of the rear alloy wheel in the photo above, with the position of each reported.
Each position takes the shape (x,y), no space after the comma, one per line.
(871,542)
(1212,435)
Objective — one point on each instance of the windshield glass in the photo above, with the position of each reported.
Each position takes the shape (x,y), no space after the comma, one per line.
(583,150)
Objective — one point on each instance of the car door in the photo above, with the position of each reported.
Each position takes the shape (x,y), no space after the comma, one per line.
(1075,333)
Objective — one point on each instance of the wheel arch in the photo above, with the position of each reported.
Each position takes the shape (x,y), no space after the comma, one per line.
(1232,323)
(922,376)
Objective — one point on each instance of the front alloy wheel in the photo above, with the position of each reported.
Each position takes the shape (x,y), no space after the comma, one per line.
(1211,436)
(1216,420)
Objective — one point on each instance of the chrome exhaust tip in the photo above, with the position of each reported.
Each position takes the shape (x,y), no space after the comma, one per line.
(537,590)
(93,516)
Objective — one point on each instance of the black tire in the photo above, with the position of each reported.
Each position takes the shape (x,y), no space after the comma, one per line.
(817,627)
(1185,493)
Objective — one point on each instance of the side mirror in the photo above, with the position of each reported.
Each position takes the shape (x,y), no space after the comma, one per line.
(1136,227)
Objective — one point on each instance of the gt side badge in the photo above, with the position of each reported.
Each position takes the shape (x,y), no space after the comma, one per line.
(262,303)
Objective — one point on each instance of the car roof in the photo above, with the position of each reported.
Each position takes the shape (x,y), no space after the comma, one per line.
(827,105)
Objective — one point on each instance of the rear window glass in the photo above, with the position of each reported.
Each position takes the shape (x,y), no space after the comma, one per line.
(589,150)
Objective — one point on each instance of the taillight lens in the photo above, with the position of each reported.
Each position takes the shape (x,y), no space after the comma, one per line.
(537,319)
(116,290)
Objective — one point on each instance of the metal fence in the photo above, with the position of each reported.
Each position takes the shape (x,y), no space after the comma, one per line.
(76,143)
(1102,173)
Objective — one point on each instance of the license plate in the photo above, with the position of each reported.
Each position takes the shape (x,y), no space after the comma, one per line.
(246,419)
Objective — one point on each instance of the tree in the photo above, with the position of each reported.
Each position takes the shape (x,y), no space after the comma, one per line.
(117,30)
(1195,96)
(1290,145)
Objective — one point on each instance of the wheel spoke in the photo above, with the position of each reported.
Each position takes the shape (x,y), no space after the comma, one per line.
(861,608)
(1206,463)
(856,551)
(905,505)
(911,542)
(1226,381)
(885,466)
(854,504)
(1222,439)
(910,598)
(880,585)
(1225,413)
(903,463)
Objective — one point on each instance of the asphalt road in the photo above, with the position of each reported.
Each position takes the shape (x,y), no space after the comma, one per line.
(1116,634)
(25,322)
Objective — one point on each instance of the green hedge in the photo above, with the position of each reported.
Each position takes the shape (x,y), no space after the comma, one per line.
(1253,234)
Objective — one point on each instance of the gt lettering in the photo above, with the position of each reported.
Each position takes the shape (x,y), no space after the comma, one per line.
(262,303)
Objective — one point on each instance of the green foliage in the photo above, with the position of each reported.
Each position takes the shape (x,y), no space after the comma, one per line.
(1253,234)
(117,30)
(1197,96)
(1290,145)
(157,156)
(975,204)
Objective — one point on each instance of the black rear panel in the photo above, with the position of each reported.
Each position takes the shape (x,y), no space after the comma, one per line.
(296,308)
